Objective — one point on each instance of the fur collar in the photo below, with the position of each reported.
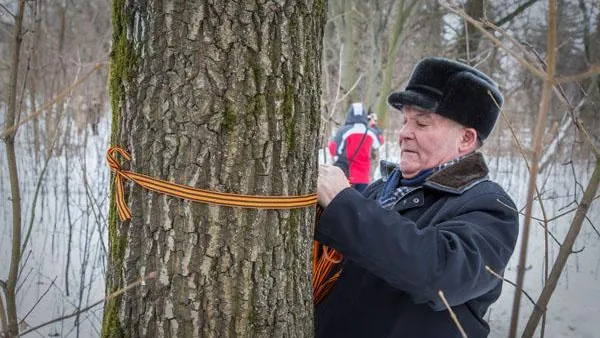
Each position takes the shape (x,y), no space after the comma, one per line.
(461,176)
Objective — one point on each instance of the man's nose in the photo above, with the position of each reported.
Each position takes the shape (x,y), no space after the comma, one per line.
(405,132)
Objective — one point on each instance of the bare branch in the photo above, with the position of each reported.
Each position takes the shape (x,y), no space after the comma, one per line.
(592,71)
(38,186)
(8,11)
(335,101)
(518,211)
(115,294)
(3,321)
(556,239)
(497,275)
(100,219)
(58,98)
(534,70)
(349,90)
(13,174)
(452,315)
(37,302)
(562,214)
(563,97)
(565,251)
(544,108)
(595,149)
(592,225)
(516,12)
(21,269)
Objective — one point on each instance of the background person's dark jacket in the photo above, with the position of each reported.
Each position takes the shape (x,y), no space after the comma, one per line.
(439,237)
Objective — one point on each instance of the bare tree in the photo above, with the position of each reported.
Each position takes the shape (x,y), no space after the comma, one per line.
(10,285)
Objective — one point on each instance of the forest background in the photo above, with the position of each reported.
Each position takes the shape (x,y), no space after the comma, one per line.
(57,119)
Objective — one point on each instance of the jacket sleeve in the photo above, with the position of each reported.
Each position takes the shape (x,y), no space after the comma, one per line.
(450,256)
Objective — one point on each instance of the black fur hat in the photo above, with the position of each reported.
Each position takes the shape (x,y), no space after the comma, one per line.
(454,90)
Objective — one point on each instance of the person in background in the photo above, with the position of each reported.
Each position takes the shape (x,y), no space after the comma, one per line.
(434,222)
(373,125)
(351,147)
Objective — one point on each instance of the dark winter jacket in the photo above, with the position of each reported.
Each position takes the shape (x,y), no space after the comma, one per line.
(438,237)
(347,143)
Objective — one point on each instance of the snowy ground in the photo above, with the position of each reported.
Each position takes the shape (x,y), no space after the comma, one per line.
(81,171)
(574,308)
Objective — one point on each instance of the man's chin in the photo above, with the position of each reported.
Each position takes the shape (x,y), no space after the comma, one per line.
(408,171)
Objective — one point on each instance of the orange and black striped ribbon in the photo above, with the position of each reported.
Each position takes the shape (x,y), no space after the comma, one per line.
(326,268)
(194,194)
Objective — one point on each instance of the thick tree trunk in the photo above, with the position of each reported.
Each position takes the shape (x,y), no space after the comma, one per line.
(221,96)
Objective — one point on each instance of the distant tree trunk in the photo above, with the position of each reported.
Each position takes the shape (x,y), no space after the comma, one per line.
(468,41)
(381,14)
(221,96)
(350,53)
(404,11)
(595,51)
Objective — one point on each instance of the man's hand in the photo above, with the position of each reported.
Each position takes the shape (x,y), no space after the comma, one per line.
(330,182)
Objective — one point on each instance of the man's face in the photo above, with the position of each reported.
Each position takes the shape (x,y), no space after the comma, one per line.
(427,140)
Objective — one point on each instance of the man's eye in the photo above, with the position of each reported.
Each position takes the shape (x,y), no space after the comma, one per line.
(421,124)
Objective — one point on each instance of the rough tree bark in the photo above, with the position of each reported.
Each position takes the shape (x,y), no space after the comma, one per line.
(221,96)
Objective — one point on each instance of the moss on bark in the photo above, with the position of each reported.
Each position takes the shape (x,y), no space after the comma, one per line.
(122,60)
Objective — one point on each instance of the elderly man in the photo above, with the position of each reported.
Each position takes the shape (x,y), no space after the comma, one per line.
(433,222)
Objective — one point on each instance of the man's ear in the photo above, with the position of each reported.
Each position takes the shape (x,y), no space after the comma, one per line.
(468,142)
